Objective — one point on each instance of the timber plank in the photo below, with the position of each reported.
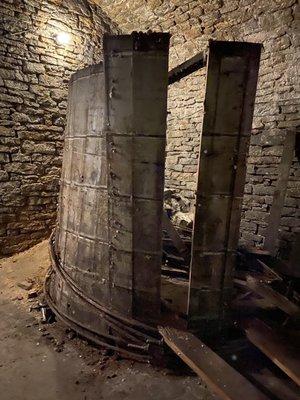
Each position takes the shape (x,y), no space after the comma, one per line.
(274,297)
(284,356)
(280,388)
(224,380)
(269,272)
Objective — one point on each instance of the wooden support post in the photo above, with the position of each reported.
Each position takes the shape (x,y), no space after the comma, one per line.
(136,75)
(231,80)
(279,194)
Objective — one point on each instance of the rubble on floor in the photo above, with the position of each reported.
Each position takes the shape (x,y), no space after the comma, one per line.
(179,209)
(52,361)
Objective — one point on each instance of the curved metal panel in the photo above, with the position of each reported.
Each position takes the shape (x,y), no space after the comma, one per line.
(79,288)
(106,253)
(82,241)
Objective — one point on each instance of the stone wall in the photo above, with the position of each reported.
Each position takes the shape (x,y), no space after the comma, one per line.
(192,23)
(34,74)
(33,78)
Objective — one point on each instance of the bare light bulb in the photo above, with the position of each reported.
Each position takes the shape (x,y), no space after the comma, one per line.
(63,38)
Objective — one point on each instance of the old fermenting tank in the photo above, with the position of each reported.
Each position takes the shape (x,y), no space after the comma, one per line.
(106,250)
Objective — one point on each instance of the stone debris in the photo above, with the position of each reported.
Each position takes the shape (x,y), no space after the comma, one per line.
(178,208)
(25,285)
(184,220)
(71,334)
(18,297)
(47,315)
(32,294)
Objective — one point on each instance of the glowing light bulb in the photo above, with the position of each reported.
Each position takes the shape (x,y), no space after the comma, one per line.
(63,38)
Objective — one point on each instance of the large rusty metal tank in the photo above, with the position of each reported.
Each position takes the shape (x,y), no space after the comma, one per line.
(106,250)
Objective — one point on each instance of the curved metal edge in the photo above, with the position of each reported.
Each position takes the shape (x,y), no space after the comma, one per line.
(143,329)
(125,338)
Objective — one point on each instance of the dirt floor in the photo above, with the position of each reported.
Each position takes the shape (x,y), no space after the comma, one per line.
(50,362)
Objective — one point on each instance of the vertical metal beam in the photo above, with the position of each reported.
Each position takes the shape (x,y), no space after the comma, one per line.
(136,75)
(228,110)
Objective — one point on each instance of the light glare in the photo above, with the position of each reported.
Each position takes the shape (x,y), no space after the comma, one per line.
(63,38)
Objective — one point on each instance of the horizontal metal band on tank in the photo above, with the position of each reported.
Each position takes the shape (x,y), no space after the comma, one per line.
(88,333)
(131,333)
(130,321)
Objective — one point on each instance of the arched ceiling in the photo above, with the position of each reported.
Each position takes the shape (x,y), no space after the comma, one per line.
(179,17)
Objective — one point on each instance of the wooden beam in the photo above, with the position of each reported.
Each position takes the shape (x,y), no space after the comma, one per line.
(278,350)
(187,68)
(281,389)
(272,231)
(222,379)
(274,297)
(268,272)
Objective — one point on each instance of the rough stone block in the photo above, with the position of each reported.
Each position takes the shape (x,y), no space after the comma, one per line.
(36,68)
(3,176)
